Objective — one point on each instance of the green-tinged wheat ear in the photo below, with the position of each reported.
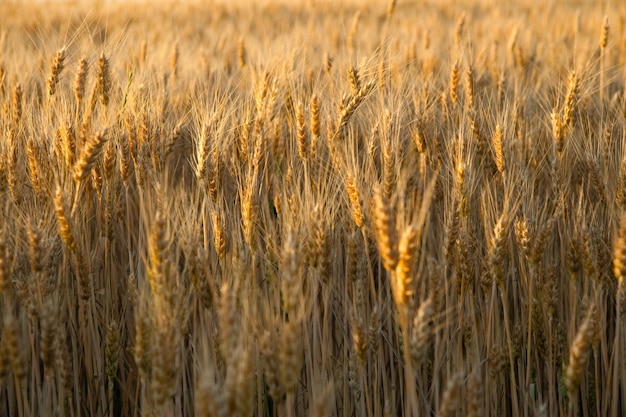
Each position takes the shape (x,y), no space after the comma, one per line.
(578,353)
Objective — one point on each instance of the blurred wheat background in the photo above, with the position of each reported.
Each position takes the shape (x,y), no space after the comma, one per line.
(312,208)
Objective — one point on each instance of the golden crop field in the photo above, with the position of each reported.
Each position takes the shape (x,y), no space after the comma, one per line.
(312,208)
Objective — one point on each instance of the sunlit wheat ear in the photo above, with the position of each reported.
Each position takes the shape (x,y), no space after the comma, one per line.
(303,145)
(571,100)
(356,204)
(315,122)
(219,235)
(89,156)
(619,262)
(604,34)
(498,148)
(65,228)
(355,80)
(391,6)
(174,61)
(33,165)
(55,71)
(386,236)
(578,353)
(454,83)
(558,132)
(498,249)
(348,110)
(405,270)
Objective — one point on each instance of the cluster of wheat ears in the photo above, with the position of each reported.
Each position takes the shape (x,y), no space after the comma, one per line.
(307,208)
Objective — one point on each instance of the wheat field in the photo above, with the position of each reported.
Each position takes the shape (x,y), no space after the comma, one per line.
(312,208)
